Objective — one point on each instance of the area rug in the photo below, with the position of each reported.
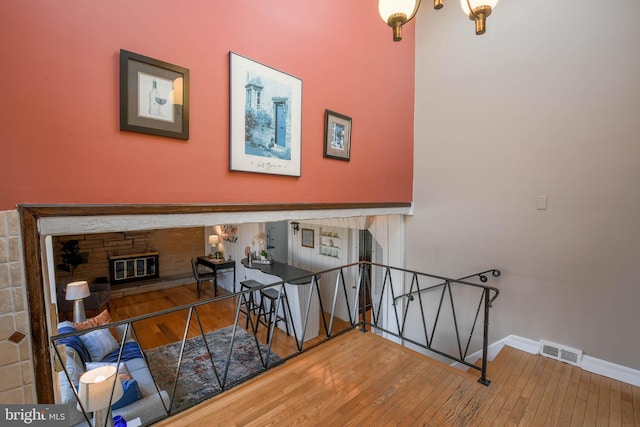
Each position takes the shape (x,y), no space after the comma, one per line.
(197,380)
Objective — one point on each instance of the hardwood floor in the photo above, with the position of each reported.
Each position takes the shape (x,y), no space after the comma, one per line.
(362,379)
(215,315)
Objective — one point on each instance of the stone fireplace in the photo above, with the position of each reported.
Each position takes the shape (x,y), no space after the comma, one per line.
(134,258)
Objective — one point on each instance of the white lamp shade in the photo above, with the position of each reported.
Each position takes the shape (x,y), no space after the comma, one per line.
(77,290)
(386,8)
(214,239)
(476,3)
(94,388)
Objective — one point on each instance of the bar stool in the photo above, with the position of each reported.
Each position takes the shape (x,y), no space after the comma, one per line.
(249,305)
(269,317)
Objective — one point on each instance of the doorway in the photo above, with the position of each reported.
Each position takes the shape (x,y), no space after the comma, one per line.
(365,253)
(281,123)
(278,240)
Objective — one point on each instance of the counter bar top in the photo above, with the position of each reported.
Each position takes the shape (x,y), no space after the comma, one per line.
(285,272)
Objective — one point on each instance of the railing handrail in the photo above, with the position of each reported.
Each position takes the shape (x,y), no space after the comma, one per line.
(482,275)
(485,301)
(362,286)
(289,281)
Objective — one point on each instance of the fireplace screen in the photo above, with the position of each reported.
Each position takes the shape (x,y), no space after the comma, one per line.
(128,268)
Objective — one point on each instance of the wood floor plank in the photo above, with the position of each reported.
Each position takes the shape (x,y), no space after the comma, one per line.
(501,372)
(554,401)
(604,400)
(636,405)
(570,397)
(504,416)
(407,396)
(591,412)
(546,396)
(580,405)
(615,404)
(523,401)
(538,393)
(434,384)
(626,405)
(516,366)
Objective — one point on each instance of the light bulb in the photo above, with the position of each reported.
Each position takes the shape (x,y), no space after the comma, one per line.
(388,8)
(476,3)
(478,12)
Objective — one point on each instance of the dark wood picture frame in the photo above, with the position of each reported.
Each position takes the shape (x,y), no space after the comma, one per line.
(308,238)
(337,136)
(154,96)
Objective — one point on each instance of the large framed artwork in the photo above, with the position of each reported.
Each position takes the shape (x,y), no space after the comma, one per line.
(154,96)
(265,118)
(337,135)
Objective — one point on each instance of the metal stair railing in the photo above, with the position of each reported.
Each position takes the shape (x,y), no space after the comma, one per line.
(390,315)
(485,296)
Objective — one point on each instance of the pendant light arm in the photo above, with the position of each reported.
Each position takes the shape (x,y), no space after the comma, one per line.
(415,11)
(471,10)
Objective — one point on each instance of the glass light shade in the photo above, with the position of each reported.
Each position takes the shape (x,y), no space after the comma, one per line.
(77,290)
(94,388)
(176,94)
(476,3)
(214,239)
(386,8)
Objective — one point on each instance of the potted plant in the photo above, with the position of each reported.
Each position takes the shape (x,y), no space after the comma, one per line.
(264,255)
(71,256)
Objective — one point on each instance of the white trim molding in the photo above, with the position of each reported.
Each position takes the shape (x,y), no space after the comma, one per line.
(589,364)
(61,225)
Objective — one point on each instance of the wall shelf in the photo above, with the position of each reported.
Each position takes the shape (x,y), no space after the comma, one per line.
(329,244)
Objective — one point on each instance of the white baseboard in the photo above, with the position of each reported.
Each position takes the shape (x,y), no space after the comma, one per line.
(611,370)
(589,364)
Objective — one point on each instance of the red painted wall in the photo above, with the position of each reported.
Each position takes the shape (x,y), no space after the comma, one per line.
(59,113)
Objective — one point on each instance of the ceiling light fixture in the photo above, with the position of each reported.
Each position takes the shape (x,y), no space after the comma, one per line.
(396,13)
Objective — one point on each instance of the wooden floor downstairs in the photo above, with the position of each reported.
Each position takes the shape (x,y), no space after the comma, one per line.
(361,379)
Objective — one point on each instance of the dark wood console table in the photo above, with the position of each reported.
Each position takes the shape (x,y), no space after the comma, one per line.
(219,264)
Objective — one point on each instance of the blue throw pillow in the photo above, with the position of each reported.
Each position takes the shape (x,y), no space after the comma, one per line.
(99,343)
(131,394)
(74,341)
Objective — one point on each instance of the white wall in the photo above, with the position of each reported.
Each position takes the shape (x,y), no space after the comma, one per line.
(547,102)
(319,258)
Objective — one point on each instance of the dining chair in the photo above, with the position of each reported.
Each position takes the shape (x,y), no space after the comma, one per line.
(203,276)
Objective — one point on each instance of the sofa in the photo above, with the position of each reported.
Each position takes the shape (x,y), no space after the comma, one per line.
(97,348)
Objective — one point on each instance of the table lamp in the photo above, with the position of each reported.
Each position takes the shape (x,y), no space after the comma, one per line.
(77,291)
(214,240)
(94,392)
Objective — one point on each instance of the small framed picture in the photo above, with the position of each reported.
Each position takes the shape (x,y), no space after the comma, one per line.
(154,96)
(307,238)
(337,135)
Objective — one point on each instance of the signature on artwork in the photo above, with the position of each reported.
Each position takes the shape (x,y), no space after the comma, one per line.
(268,166)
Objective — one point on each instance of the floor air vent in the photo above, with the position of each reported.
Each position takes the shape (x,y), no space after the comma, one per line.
(561,352)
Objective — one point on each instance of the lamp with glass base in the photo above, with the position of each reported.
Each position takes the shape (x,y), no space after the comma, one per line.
(76,292)
(214,241)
